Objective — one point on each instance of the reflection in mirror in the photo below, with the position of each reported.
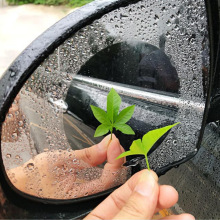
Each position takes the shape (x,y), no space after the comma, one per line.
(121,66)
(154,54)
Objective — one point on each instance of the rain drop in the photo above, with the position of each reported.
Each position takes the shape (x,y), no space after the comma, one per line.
(30,166)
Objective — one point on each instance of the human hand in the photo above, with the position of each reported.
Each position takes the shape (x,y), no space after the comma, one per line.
(66,174)
(139,198)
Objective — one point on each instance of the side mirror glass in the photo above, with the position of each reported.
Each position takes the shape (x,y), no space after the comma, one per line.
(155,55)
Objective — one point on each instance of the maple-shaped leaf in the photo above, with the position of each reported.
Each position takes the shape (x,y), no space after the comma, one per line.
(112,118)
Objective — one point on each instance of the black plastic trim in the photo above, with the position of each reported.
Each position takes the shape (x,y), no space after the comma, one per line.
(176,164)
(213,27)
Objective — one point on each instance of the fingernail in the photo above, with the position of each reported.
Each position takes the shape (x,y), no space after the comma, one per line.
(103,145)
(146,184)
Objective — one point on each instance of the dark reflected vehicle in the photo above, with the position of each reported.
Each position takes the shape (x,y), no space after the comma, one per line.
(133,63)
(162,57)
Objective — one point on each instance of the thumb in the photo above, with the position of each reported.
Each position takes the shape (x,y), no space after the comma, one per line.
(143,200)
(96,154)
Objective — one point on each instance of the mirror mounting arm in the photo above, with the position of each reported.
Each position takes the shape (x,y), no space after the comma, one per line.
(138,163)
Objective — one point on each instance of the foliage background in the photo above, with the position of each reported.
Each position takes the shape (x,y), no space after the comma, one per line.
(71,3)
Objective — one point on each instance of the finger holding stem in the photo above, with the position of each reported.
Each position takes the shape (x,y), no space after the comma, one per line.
(148,166)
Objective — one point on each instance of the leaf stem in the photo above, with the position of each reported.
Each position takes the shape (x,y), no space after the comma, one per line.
(111,131)
(147,162)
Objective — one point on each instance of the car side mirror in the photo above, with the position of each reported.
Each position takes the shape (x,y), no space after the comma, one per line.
(156,55)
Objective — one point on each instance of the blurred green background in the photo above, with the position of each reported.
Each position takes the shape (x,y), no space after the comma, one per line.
(71,3)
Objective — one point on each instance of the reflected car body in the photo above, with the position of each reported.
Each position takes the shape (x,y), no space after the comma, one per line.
(141,73)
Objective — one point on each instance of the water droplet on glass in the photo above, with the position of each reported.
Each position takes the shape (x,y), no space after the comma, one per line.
(20,123)
(14,136)
(156,18)
(8,155)
(12,74)
(30,166)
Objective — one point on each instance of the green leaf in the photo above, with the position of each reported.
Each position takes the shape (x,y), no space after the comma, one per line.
(125,154)
(126,129)
(100,115)
(142,147)
(151,137)
(113,104)
(102,130)
(108,119)
(125,115)
(137,147)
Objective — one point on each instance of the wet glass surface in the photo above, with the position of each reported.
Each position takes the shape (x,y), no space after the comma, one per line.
(154,54)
